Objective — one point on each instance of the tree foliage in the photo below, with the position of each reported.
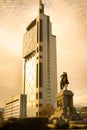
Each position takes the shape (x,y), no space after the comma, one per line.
(47,110)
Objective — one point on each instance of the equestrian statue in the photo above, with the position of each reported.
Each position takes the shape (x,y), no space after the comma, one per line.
(64,81)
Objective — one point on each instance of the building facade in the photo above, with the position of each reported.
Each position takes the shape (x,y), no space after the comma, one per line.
(39,64)
(15,107)
(1,116)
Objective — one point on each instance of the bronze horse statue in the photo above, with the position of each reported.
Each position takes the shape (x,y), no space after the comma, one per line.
(64,80)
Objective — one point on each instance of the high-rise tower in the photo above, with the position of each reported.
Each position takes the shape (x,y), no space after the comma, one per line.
(39,59)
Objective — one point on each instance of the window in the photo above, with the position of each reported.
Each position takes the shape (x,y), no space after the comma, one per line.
(36,95)
(41,30)
(36,114)
(40,74)
(36,105)
(40,105)
(40,48)
(37,49)
(37,32)
(48,28)
(41,56)
(37,75)
(40,95)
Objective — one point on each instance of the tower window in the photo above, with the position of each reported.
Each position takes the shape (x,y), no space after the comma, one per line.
(48,28)
(41,30)
(37,32)
(40,95)
(37,49)
(40,74)
(41,48)
(36,114)
(36,105)
(41,56)
(37,75)
(40,105)
(36,95)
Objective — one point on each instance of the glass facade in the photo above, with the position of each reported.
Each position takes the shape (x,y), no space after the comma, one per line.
(30,85)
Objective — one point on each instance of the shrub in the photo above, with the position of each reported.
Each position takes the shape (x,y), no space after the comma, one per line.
(25,124)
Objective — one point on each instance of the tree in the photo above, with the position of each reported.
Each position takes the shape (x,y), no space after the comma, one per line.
(47,110)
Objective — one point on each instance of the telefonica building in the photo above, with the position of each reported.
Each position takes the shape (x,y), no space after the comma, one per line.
(39,64)
(39,70)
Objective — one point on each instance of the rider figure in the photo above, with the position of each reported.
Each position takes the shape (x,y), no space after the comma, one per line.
(64,80)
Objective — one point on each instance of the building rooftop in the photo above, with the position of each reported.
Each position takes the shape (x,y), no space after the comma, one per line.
(32,24)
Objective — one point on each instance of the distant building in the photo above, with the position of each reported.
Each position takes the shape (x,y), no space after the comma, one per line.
(15,107)
(82,111)
(1,115)
(40,67)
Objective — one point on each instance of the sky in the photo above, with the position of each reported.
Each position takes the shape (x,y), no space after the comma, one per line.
(69,24)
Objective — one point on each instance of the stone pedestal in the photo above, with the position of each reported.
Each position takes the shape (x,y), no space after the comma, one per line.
(65,108)
(65,103)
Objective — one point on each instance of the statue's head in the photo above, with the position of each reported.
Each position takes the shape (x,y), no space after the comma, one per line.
(64,72)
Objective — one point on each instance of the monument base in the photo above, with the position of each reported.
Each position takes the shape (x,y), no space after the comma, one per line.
(65,115)
(65,108)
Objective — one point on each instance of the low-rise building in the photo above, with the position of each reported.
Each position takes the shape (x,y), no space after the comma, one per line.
(15,107)
(1,116)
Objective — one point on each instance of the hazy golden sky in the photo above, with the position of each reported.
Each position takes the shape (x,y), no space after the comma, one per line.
(69,24)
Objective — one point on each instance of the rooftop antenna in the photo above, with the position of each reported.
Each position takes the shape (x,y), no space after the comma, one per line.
(41,7)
